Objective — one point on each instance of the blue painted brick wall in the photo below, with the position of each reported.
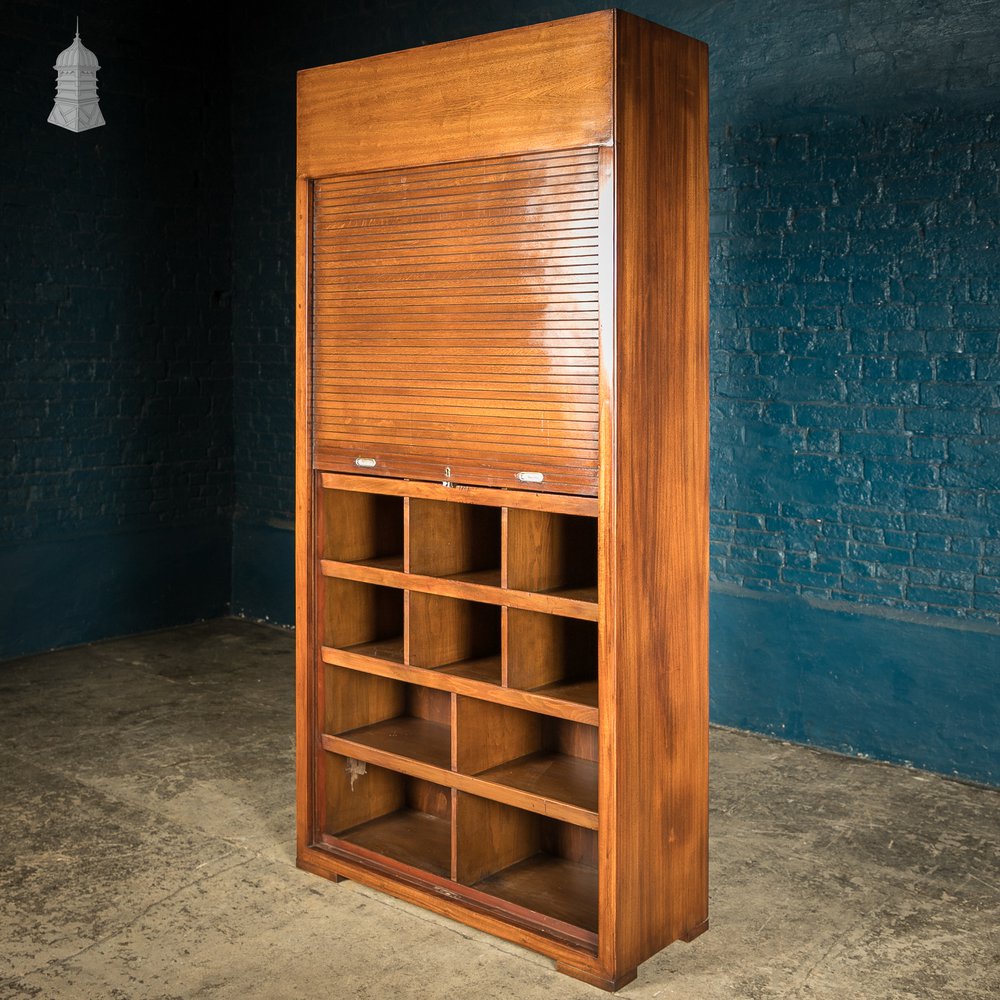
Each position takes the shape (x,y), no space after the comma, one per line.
(855,360)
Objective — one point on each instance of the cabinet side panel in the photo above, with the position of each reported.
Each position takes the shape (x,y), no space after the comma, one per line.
(660,557)
(547,86)
(305,639)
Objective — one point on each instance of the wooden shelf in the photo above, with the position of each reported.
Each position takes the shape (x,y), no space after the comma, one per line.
(486,669)
(414,739)
(478,578)
(583,605)
(551,776)
(577,692)
(580,595)
(390,649)
(415,838)
(552,886)
(439,678)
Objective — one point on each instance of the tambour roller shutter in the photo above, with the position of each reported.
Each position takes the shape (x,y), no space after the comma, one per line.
(455,322)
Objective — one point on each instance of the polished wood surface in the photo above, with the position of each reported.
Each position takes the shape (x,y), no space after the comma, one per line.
(552,653)
(415,838)
(351,699)
(574,603)
(487,734)
(355,612)
(442,632)
(360,527)
(654,679)
(397,757)
(489,836)
(562,889)
(521,499)
(354,794)
(546,701)
(566,943)
(406,736)
(453,539)
(552,776)
(542,87)
(455,321)
(524,745)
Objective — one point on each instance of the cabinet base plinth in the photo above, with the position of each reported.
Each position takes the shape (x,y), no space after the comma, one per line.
(695,931)
(594,979)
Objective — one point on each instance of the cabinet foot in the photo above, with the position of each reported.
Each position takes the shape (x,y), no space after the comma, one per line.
(595,979)
(695,931)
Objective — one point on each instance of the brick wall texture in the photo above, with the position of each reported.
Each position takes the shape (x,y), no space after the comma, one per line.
(114,279)
(855,360)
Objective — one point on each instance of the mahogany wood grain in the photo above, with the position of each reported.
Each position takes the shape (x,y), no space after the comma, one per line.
(483,292)
(574,603)
(403,818)
(484,668)
(488,837)
(522,499)
(351,699)
(385,755)
(551,652)
(654,691)
(550,775)
(544,87)
(444,631)
(563,942)
(448,539)
(485,734)
(405,736)
(355,612)
(379,649)
(415,838)
(356,527)
(550,552)
(562,889)
(352,798)
(545,701)
(309,779)
(377,323)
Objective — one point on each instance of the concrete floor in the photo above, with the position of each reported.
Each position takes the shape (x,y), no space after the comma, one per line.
(146,850)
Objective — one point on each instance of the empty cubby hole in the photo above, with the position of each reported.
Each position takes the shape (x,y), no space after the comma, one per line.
(387,715)
(545,757)
(362,618)
(457,540)
(540,864)
(393,815)
(552,553)
(361,527)
(455,636)
(552,655)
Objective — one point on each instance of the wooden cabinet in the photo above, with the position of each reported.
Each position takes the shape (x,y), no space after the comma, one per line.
(502,484)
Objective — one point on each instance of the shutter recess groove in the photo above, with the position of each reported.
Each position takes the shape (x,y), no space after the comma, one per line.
(455,321)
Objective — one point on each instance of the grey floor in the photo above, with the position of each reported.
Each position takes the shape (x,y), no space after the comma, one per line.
(146,850)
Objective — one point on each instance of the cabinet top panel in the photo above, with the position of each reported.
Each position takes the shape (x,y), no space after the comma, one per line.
(547,86)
